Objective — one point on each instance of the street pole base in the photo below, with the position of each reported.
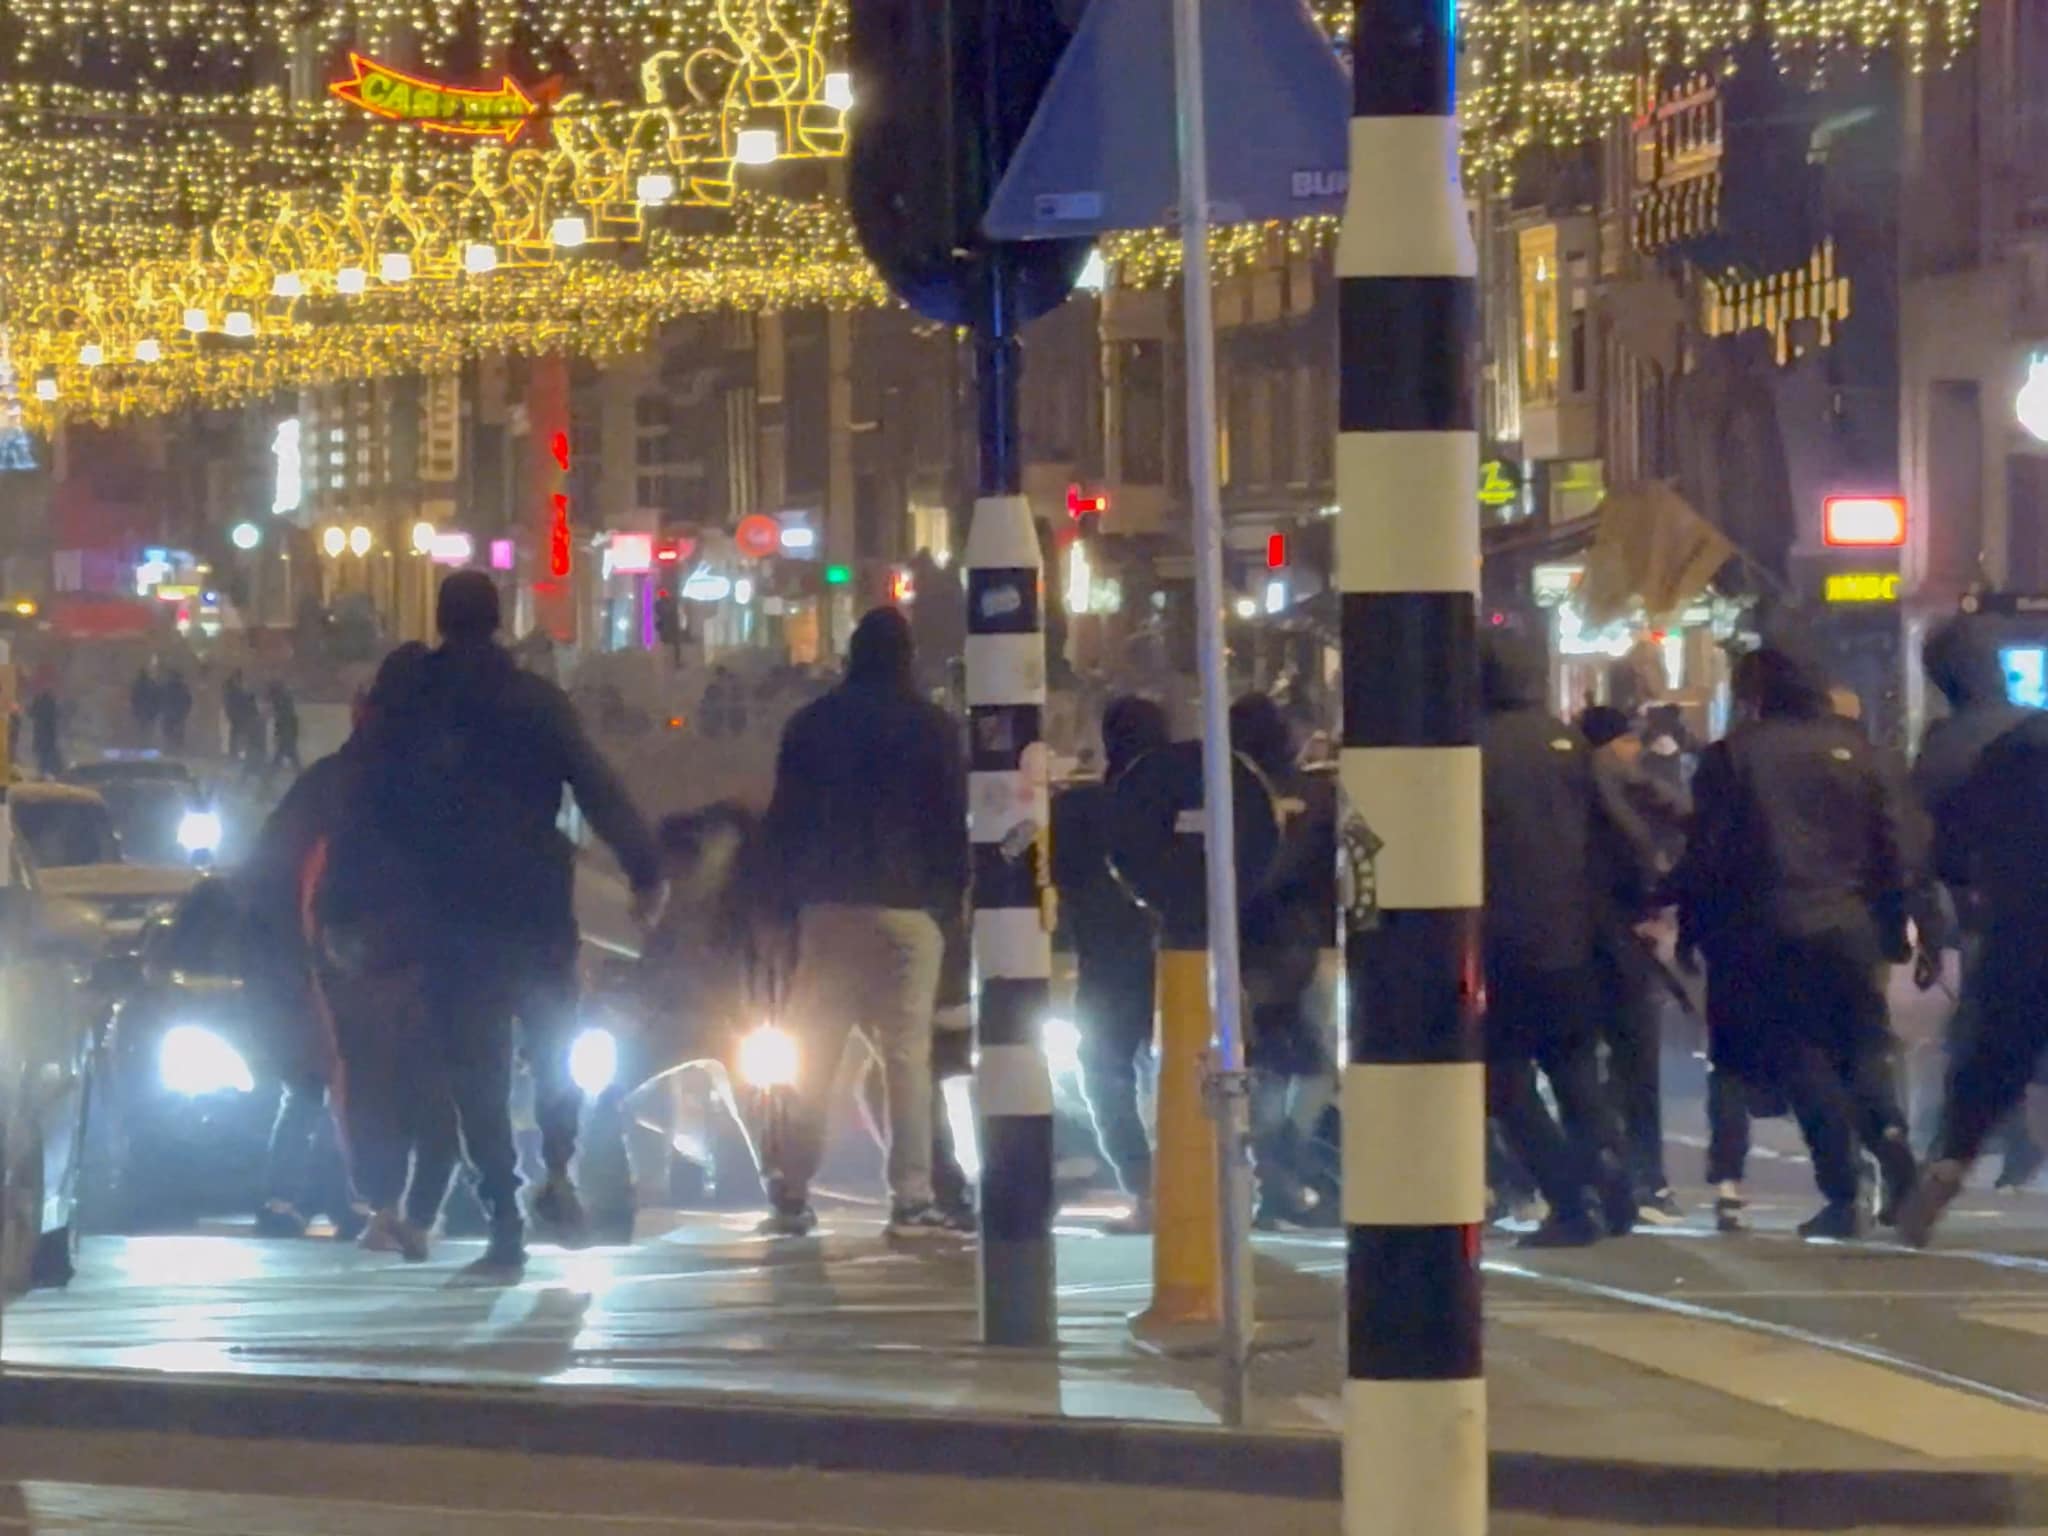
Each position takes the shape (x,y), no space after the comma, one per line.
(1018,1307)
(1199,1340)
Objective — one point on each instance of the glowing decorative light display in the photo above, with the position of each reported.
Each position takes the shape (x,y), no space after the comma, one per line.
(502,113)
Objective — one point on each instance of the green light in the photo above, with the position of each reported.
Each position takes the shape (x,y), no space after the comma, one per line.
(837,575)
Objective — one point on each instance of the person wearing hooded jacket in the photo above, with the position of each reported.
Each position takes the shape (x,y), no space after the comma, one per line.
(865,850)
(2001,817)
(1793,887)
(1539,807)
(465,779)
(1114,941)
(1961,660)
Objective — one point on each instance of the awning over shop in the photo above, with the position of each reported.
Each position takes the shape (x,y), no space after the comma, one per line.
(1651,552)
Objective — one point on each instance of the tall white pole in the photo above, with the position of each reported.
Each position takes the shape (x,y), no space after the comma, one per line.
(1225,988)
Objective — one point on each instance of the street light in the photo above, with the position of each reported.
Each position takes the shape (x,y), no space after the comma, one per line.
(359,540)
(334,541)
(422,537)
(245,536)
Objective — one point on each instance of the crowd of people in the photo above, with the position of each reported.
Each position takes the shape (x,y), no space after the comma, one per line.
(419,895)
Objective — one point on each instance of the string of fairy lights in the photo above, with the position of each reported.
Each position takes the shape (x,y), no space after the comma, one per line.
(179,227)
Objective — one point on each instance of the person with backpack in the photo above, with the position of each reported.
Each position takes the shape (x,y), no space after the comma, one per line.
(465,779)
(1114,942)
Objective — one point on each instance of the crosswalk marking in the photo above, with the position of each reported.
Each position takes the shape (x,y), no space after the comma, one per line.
(1808,1382)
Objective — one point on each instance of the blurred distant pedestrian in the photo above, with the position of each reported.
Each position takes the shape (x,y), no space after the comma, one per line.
(866,841)
(284,729)
(1113,939)
(1539,810)
(146,702)
(43,720)
(1794,889)
(177,709)
(238,704)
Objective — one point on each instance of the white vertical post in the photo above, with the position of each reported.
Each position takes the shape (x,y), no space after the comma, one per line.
(1225,987)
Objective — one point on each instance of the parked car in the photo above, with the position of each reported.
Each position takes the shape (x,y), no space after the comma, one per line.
(47,959)
(189,1077)
(163,814)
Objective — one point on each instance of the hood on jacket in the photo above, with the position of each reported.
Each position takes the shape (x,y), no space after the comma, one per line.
(1513,671)
(1778,682)
(881,652)
(1961,659)
(1131,727)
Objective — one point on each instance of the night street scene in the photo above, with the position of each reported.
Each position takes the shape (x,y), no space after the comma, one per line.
(1023,767)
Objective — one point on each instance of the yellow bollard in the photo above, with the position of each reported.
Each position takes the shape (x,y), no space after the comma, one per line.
(1187,1279)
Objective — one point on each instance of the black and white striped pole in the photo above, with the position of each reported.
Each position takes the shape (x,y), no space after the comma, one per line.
(1008,817)
(1408,570)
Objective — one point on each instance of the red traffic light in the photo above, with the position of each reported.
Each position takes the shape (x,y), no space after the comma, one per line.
(1080,506)
(1276,551)
(1863,522)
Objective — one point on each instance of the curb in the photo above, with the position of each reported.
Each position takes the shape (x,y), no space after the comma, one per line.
(748,1433)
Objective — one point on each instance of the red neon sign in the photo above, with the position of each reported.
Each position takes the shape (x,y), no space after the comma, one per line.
(558,537)
(435,106)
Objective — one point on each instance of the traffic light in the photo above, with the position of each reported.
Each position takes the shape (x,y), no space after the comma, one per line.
(946,89)
(838,575)
(1276,552)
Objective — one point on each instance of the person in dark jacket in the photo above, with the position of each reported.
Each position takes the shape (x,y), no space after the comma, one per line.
(1539,810)
(866,841)
(43,722)
(146,702)
(465,777)
(1961,660)
(1794,889)
(2000,818)
(177,709)
(1641,819)
(1285,927)
(284,729)
(1114,942)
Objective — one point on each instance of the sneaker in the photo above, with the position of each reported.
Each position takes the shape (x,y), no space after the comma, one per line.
(279,1218)
(1730,1213)
(1580,1231)
(389,1232)
(915,1223)
(1661,1209)
(1839,1221)
(2022,1164)
(1897,1174)
(789,1221)
(1939,1184)
(504,1259)
(1617,1203)
(558,1212)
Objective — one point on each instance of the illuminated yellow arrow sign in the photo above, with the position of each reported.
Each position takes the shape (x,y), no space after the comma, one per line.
(1495,488)
(435,106)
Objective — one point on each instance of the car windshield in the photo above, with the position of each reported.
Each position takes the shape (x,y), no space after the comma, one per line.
(62,834)
(147,813)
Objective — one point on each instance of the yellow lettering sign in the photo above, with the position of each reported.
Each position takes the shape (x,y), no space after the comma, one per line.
(1862,587)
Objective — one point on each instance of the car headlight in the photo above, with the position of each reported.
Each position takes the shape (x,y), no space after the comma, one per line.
(194,1062)
(1062,1046)
(594,1061)
(768,1058)
(199,832)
